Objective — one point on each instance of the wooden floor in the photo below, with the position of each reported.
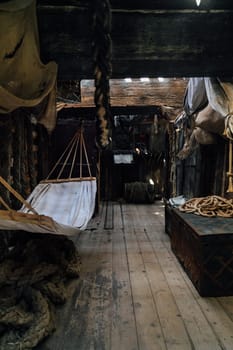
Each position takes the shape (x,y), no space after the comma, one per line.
(133,294)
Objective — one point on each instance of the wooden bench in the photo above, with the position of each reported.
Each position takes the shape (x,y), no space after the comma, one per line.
(204,247)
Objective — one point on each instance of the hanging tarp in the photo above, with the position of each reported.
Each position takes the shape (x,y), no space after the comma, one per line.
(217,96)
(195,96)
(211,95)
(220,96)
(210,120)
(24,80)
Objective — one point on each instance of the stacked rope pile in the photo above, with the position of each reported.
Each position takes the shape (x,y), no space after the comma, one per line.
(102,51)
(209,206)
(34,278)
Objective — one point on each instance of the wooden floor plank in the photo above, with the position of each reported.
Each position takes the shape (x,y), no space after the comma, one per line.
(89,323)
(133,294)
(173,327)
(200,332)
(97,275)
(227,304)
(150,335)
(217,317)
(124,333)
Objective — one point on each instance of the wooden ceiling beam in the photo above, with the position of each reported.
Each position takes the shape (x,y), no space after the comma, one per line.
(179,42)
(168,93)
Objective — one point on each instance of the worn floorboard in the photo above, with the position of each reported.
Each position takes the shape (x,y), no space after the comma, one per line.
(133,294)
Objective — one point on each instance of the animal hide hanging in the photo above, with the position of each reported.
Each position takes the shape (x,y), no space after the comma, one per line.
(24,80)
(210,120)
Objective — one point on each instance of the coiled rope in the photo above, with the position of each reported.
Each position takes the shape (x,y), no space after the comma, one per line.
(34,279)
(102,53)
(209,206)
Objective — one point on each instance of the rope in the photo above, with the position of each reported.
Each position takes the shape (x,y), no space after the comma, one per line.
(209,206)
(102,50)
(70,145)
(74,157)
(71,153)
(34,279)
(86,156)
(81,156)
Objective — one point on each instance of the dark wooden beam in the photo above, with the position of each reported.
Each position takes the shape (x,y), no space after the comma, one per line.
(150,41)
(148,4)
(174,4)
(169,92)
(89,113)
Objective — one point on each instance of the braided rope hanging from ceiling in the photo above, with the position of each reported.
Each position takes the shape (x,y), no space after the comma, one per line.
(102,53)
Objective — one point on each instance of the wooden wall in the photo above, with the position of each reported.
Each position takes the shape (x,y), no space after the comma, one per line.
(19,157)
(203,173)
(170,92)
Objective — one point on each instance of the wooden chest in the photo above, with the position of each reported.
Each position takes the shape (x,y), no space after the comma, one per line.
(204,247)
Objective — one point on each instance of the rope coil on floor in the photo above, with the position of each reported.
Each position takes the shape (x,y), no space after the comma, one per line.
(209,206)
(34,279)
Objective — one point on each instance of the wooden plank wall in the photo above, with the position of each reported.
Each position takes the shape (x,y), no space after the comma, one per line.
(170,92)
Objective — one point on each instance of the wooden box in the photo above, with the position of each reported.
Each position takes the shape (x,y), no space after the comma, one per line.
(204,247)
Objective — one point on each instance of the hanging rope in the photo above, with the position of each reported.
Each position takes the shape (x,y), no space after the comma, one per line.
(102,51)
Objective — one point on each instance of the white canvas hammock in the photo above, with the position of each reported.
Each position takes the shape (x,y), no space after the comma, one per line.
(59,206)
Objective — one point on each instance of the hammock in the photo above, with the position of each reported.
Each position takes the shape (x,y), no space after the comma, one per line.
(58,206)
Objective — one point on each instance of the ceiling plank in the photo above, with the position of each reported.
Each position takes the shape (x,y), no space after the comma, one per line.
(159,42)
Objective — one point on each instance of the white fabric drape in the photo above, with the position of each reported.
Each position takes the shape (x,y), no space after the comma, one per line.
(67,207)
(195,96)
(68,203)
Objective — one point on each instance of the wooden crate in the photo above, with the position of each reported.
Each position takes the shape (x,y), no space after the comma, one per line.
(168,218)
(204,247)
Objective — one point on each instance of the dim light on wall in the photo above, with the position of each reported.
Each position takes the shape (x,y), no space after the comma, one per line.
(161,79)
(145,80)
(198,2)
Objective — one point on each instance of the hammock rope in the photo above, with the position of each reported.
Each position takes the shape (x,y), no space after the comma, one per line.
(70,153)
(73,160)
(86,156)
(61,205)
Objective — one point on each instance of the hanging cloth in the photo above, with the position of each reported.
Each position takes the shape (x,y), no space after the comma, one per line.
(24,80)
(195,98)
(59,206)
